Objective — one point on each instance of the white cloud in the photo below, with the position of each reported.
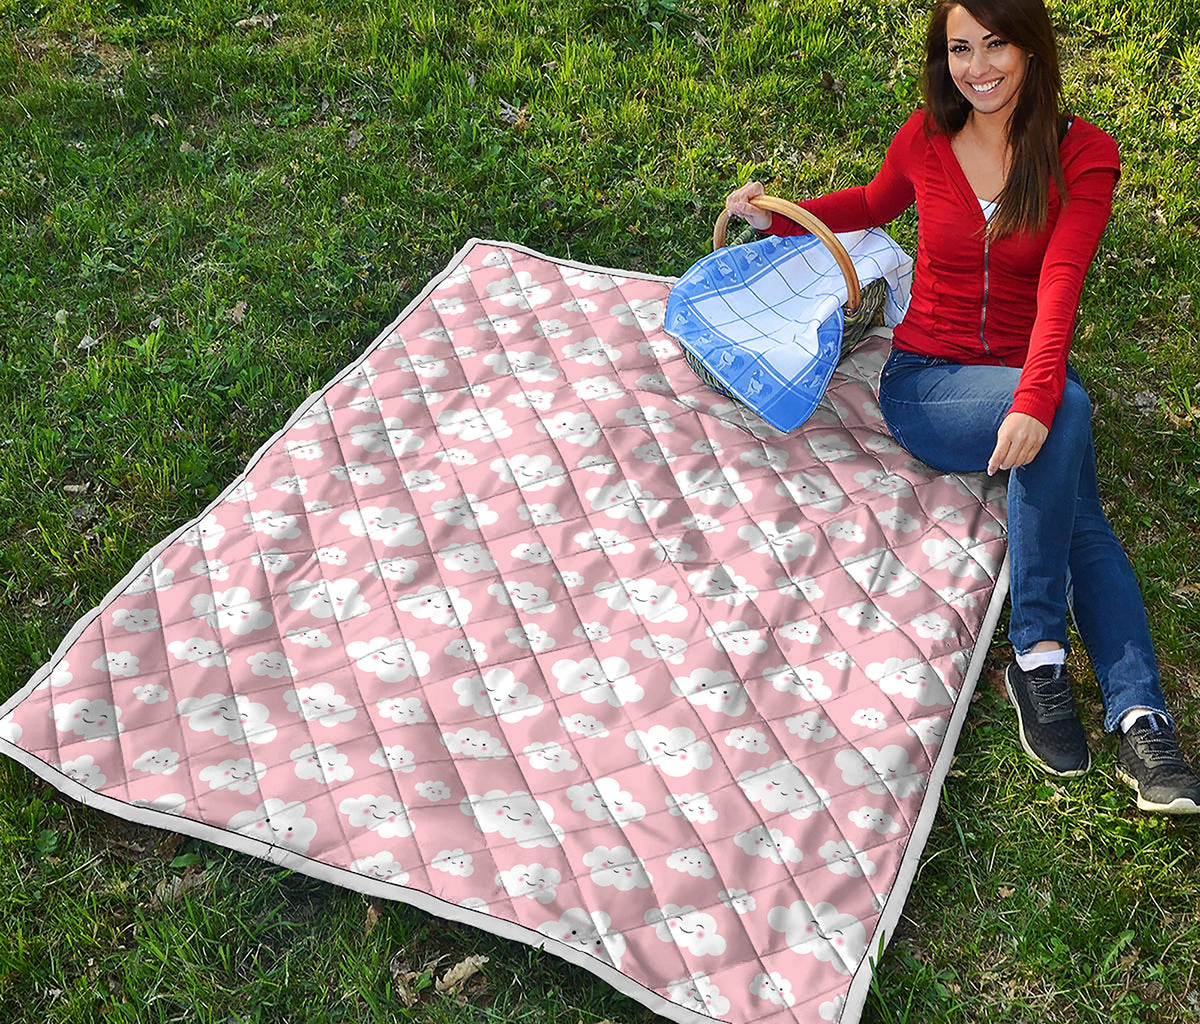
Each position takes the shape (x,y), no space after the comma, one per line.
(514,815)
(91,719)
(616,867)
(385,815)
(821,931)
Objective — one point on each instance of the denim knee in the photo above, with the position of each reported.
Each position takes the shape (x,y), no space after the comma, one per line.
(1072,425)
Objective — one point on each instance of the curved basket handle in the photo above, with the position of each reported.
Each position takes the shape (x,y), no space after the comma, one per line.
(806,220)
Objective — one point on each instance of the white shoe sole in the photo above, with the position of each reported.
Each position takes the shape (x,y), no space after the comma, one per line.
(1180,805)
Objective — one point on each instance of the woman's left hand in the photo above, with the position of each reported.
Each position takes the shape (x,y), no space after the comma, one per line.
(1018,441)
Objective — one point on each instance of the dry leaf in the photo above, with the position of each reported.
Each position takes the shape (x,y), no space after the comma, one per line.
(355,138)
(186,147)
(75,488)
(156,323)
(238,313)
(460,972)
(1005,891)
(257,21)
(159,120)
(60,317)
(171,889)
(372,917)
(403,977)
(87,341)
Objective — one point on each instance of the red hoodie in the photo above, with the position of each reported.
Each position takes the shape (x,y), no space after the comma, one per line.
(1010,301)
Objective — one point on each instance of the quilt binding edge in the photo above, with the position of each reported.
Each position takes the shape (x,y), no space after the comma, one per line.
(860,984)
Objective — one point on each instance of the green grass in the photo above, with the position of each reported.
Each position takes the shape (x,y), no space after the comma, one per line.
(199,224)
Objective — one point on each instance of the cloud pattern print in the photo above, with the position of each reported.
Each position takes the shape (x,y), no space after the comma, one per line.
(516,615)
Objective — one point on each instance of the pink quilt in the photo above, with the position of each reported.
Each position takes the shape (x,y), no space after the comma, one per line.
(517,622)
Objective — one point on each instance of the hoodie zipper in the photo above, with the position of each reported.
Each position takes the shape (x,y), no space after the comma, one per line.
(983,309)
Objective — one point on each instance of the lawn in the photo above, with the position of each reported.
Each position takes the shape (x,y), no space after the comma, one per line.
(206,209)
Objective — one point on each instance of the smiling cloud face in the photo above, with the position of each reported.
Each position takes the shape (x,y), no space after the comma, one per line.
(156,577)
(550,756)
(497,692)
(572,427)
(441,606)
(324,599)
(881,771)
(587,726)
(85,771)
(277,822)
(810,726)
(783,541)
(475,424)
(385,815)
(688,928)
(231,609)
(691,861)
(91,719)
(206,534)
(389,525)
(529,472)
(696,992)
(477,743)
(721,583)
(783,788)
(163,761)
(697,808)
(881,572)
(515,815)
(646,598)
(616,867)
(675,752)
(382,866)
(813,490)
(874,819)
(455,862)
(805,683)
(236,718)
(605,800)
(392,661)
(469,558)
(716,690)
(319,703)
(403,710)
(598,681)
(966,559)
(322,763)
(136,620)
(912,679)
(865,615)
(239,775)
(533,881)
(773,988)
(770,844)
(837,939)
(591,932)
(275,523)
(205,653)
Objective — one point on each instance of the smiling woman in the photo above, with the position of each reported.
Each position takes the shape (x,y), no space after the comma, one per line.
(1012,198)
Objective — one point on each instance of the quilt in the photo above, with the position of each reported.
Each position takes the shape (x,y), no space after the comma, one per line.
(517,622)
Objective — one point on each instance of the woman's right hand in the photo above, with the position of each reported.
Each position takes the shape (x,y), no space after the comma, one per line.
(737,204)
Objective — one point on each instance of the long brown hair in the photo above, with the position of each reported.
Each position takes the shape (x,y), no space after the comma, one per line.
(1036,124)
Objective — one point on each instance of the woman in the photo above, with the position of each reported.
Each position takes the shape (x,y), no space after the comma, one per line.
(1012,198)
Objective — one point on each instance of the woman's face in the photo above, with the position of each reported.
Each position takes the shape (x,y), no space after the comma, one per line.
(988,70)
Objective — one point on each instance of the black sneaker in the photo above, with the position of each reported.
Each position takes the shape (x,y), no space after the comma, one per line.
(1051,732)
(1149,760)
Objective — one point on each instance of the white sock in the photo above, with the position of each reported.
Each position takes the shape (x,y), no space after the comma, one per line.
(1130,717)
(1036,659)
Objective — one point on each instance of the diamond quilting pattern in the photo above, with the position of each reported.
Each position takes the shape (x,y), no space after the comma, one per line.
(516,614)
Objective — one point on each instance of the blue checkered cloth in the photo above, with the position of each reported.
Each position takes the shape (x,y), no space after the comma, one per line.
(765,319)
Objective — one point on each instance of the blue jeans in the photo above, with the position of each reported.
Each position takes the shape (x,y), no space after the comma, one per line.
(1062,551)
